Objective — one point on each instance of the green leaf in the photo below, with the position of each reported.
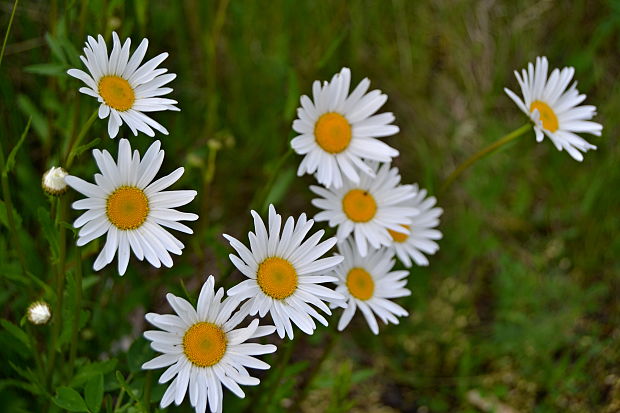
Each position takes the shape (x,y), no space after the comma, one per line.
(55,47)
(90,370)
(47,69)
(125,386)
(4,220)
(16,332)
(93,392)
(69,399)
(11,159)
(39,121)
(81,149)
(49,231)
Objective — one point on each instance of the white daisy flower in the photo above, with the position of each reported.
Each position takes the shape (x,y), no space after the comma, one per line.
(422,232)
(124,88)
(368,284)
(284,272)
(338,130)
(554,109)
(131,209)
(367,209)
(202,348)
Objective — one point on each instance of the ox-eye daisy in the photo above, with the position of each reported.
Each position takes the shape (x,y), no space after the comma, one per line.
(554,109)
(368,208)
(130,209)
(202,348)
(123,87)
(422,232)
(368,284)
(284,272)
(338,130)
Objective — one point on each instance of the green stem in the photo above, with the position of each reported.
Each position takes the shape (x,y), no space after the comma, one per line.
(75,142)
(78,309)
(8,30)
(35,352)
(484,152)
(264,193)
(60,285)
(148,385)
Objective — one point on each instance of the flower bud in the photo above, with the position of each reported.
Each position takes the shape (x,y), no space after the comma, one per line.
(39,312)
(54,181)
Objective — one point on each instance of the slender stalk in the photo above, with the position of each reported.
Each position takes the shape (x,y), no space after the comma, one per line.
(148,385)
(484,152)
(8,30)
(74,143)
(78,310)
(8,202)
(35,351)
(264,192)
(60,285)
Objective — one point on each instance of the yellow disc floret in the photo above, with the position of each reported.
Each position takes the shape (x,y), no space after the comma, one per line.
(359,205)
(360,283)
(116,92)
(277,277)
(399,236)
(547,115)
(332,132)
(204,344)
(127,207)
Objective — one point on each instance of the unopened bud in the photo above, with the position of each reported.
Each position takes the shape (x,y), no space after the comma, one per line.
(54,181)
(39,312)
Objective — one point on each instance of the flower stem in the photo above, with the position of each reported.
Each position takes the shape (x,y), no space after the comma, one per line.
(77,310)
(484,152)
(73,144)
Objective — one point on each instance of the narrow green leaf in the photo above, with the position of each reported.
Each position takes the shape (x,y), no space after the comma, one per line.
(47,69)
(125,386)
(49,231)
(93,392)
(90,370)
(55,47)
(4,220)
(16,332)
(83,148)
(11,159)
(39,121)
(69,399)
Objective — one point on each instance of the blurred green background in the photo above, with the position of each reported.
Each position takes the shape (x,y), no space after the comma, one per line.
(518,311)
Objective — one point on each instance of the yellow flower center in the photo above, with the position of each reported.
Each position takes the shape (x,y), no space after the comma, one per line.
(127,207)
(547,115)
(359,205)
(360,283)
(204,344)
(399,236)
(332,132)
(277,277)
(116,92)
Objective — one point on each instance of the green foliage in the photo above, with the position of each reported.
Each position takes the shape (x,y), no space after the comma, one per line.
(517,310)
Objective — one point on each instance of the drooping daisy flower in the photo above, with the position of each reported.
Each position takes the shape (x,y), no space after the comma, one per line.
(368,284)
(202,348)
(555,110)
(338,130)
(368,208)
(131,209)
(124,88)
(422,232)
(284,272)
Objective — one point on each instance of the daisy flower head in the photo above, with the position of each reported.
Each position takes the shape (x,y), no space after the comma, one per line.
(338,130)
(125,89)
(369,284)
(422,231)
(132,209)
(367,209)
(202,349)
(555,108)
(284,273)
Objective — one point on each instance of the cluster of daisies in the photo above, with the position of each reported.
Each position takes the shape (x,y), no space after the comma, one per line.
(291,272)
